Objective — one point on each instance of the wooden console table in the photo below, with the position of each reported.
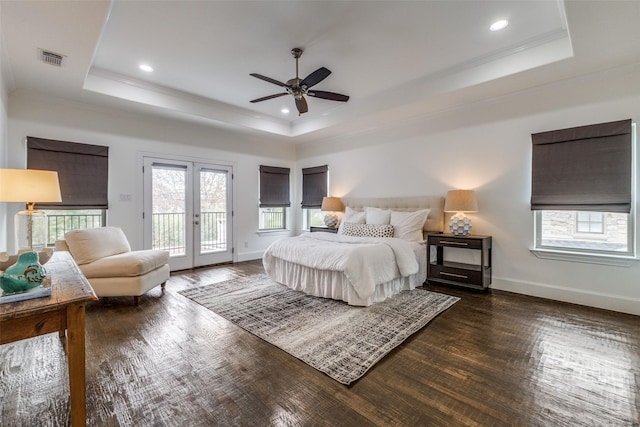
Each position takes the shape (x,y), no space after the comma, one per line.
(62,311)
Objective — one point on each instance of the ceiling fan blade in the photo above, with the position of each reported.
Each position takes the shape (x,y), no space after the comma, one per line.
(268,79)
(328,95)
(264,98)
(316,77)
(301,104)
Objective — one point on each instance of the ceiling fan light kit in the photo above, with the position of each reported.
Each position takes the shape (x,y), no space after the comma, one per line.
(299,87)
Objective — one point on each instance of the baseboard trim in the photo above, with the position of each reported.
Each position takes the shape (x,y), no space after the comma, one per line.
(592,299)
(249,256)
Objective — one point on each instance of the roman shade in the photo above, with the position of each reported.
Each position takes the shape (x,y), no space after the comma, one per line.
(586,168)
(314,186)
(83,171)
(274,187)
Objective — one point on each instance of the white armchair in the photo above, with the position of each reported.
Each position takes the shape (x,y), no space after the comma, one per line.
(112,268)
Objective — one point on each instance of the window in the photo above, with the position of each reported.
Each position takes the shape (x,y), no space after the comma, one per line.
(582,189)
(577,231)
(274,198)
(590,222)
(313,218)
(314,188)
(83,172)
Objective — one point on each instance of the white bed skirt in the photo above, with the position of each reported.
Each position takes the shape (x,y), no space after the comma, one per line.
(335,285)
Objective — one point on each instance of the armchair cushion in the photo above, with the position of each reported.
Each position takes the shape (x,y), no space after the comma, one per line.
(128,264)
(92,244)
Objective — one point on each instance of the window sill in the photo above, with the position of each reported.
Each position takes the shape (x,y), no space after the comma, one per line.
(273,232)
(614,260)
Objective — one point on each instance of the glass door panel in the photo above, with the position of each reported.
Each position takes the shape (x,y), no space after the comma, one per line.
(212,215)
(169,209)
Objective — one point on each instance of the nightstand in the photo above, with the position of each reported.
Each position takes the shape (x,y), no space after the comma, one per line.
(456,273)
(325,229)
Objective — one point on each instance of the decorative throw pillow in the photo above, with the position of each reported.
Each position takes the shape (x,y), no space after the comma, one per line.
(408,225)
(368,230)
(377,215)
(351,216)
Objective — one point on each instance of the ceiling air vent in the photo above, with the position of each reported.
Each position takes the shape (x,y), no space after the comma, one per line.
(51,58)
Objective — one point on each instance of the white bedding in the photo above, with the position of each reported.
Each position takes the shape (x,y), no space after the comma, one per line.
(373,268)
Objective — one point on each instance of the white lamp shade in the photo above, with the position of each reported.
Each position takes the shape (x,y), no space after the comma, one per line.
(331,204)
(29,186)
(461,201)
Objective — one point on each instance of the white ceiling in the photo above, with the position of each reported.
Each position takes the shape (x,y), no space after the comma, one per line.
(395,59)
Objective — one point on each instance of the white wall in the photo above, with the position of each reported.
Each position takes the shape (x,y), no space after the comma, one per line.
(129,135)
(487,147)
(3,133)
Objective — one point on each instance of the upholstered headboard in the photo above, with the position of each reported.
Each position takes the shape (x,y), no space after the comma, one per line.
(435,220)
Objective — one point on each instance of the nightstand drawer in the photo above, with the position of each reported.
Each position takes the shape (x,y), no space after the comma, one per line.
(444,272)
(323,229)
(458,242)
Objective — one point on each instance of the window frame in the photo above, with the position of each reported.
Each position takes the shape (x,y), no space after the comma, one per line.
(307,213)
(285,219)
(629,254)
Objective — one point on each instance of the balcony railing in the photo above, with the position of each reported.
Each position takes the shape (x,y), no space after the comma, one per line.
(167,228)
(58,225)
(168,232)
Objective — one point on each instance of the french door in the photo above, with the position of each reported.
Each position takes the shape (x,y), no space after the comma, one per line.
(188,211)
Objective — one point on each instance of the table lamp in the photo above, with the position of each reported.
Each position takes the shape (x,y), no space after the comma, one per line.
(28,186)
(460,201)
(331,205)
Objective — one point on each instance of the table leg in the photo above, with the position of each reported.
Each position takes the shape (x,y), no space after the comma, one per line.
(76,357)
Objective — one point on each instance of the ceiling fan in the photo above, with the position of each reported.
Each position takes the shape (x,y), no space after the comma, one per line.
(300,87)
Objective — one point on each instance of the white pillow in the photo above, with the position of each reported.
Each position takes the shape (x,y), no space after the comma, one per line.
(377,215)
(408,225)
(351,216)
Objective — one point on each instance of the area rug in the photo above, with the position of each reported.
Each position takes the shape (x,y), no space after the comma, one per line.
(340,340)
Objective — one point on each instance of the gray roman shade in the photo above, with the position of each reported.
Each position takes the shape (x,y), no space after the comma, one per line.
(83,171)
(586,168)
(314,186)
(274,187)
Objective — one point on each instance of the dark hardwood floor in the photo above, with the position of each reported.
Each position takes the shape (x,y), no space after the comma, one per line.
(492,359)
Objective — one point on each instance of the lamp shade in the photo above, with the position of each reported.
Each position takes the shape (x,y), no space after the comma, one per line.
(461,201)
(29,186)
(331,204)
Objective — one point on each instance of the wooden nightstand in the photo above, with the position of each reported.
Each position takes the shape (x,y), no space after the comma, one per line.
(325,229)
(455,273)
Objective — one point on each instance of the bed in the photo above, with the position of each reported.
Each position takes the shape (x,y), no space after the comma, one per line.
(357,265)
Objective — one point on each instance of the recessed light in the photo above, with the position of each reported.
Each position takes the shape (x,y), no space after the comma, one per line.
(285,111)
(145,67)
(499,25)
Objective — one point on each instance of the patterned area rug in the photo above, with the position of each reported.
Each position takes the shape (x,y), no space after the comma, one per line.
(342,341)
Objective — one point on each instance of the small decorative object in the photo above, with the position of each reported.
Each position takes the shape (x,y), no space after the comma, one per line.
(25,274)
(331,205)
(460,201)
